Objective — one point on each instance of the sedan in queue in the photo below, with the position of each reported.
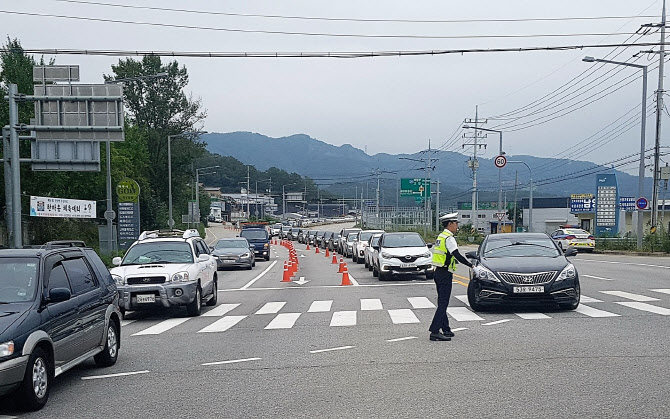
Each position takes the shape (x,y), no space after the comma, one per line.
(402,254)
(234,253)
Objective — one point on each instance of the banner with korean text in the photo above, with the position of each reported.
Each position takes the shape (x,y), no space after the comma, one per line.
(43,206)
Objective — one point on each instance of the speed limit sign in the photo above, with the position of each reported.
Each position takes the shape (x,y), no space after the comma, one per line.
(500,161)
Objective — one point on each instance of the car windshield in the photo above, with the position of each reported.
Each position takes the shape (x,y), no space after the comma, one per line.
(254,234)
(519,247)
(365,236)
(576,232)
(374,241)
(232,244)
(18,279)
(352,237)
(159,252)
(404,240)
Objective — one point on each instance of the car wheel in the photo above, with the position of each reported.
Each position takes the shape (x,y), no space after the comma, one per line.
(354,259)
(383,276)
(375,272)
(367,265)
(472,299)
(123,312)
(359,260)
(108,356)
(34,390)
(267,257)
(215,294)
(253,264)
(195,307)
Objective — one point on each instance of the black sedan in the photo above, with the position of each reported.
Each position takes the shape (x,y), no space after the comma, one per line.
(522,268)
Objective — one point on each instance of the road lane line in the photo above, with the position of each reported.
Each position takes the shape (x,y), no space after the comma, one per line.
(220,310)
(403,316)
(663,290)
(223,324)
(343,318)
(458,329)
(283,321)
(597,277)
(328,286)
(462,314)
(353,281)
(463,299)
(626,263)
(250,283)
(215,237)
(594,312)
(532,316)
(368,304)
(420,302)
(647,307)
(8,417)
(120,374)
(585,299)
(127,322)
(271,307)
(630,296)
(320,306)
(331,349)
(161,327)
(232,361)
(496,322)
(402,339)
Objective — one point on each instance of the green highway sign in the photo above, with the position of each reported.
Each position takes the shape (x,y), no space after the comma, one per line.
(414,187)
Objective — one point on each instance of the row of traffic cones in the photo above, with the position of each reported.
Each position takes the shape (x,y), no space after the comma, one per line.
(290,266)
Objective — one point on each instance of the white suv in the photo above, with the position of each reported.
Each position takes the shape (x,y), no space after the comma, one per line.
(165,269)
(361,243)
(402,253)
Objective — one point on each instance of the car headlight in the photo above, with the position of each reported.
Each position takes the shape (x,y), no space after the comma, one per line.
(246,255)
(568,272)
(118,279)
(427,255)
(180,276)
(386,255)
(484,273)
(6,349)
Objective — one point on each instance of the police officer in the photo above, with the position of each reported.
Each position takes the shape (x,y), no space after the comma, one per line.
(445,255)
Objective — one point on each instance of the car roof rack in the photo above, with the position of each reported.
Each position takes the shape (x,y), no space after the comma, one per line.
(61,244)
(158,234)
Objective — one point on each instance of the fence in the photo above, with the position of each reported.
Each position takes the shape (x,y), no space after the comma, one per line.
(397,218)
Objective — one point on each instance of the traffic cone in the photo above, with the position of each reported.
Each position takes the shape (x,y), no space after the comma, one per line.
(334,260)
(345,276)
(327,253)
(341,266)
(290,268)
(317,249)
(287,276)
(308,247)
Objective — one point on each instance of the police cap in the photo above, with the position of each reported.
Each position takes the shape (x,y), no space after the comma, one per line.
(449,217)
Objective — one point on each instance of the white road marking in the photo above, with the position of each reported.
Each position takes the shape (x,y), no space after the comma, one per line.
(220,310)
(320,306)
(594,312)
(401,339)
(420,302)
(463,299)
(597,277)
(343,318)
(368,304)
(120,374)
(496,322)
(215,237)
(353,281)
(260,275)
(271,308)
(8,417)
(161,327)
(409,284)
(532,316)
(459,329)
(584,299)
(283,321)
(630,296)
(331,349)
(647,307)
(123,323)
(223,324)
(626,263)
(462,314)
(403,316)
(663,290)
(232,361)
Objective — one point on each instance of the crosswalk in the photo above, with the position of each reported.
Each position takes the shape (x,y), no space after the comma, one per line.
(277,315)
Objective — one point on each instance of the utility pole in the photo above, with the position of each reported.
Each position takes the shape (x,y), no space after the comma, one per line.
(516,181)
(437,206)
(15,166)
(378,173)
(474,163)
(659,110)
(248,187)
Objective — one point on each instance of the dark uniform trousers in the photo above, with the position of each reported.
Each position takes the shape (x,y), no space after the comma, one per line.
(444,282)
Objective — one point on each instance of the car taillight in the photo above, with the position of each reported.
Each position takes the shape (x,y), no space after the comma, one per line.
(570,237)
(591,238)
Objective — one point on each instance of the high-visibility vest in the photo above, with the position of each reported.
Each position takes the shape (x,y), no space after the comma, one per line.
(441,255)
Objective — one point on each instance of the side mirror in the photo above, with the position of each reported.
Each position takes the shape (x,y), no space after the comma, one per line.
(116,261)
(203,258)
(430,245)
(376,247)
(57,295)
(471,255)
(251,247)
(211,248)
(570,251)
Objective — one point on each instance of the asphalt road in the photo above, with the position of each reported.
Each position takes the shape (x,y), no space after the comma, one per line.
(318,349)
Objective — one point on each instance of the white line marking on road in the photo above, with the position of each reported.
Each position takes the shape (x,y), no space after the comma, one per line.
(532,316)
(598,277)
(401,339)
(320,306)
(343,318)
(663,290)
(585,299)
(161,327)
(462,314)
(496,322)
(123,323)
(220,310)
(331,349)
(647,307)
(327,286)
(463,299)
(223,324)
(626,263)
(368,304)
(403,316)
(594,312)
(353,281)
(8,417)
(232,361)
(272,307)
(215,237)
(420,302)
(283,321)
(120,374)
(250,283)
(630,296)
(458,329)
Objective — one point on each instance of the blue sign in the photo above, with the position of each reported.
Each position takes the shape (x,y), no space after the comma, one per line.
(607,198)
(582,205)
(627,203)
(642,203)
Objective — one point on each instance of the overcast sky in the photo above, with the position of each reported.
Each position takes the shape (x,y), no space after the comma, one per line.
(388,105)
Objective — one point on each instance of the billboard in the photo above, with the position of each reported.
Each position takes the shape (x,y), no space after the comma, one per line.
(44,206)
(583,202)
(607,198)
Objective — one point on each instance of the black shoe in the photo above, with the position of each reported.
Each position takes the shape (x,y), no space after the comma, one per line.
(439,336)
(448,333)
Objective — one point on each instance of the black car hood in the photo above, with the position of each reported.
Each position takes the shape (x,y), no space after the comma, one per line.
(10,314)
(528,264)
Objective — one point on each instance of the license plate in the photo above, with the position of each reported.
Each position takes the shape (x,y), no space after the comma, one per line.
(227,261)
(146,298)
(407,265)
(524,290)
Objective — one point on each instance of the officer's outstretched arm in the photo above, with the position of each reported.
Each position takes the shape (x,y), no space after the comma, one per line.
(461,258)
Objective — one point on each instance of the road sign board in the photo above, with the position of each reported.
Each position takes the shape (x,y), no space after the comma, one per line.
(414,187)
(501,215)
(45,73)
(642,203)
(128,191)
(500,161)
(627,203)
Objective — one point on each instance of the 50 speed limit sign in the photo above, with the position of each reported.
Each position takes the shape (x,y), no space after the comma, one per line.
(500,161)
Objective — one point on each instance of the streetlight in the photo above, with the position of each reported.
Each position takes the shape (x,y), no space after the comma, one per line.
(640,175)
(530,199)
(501,152)
(197,187)
(262,201)
(169,142)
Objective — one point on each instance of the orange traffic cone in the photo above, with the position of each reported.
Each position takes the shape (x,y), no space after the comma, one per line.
(334,260)
(290,268)
(308,247)
(316,249)
(341,270)
(345,276)
(287,276)
(327,253)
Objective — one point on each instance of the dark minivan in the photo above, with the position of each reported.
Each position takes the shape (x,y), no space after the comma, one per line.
(259,239)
